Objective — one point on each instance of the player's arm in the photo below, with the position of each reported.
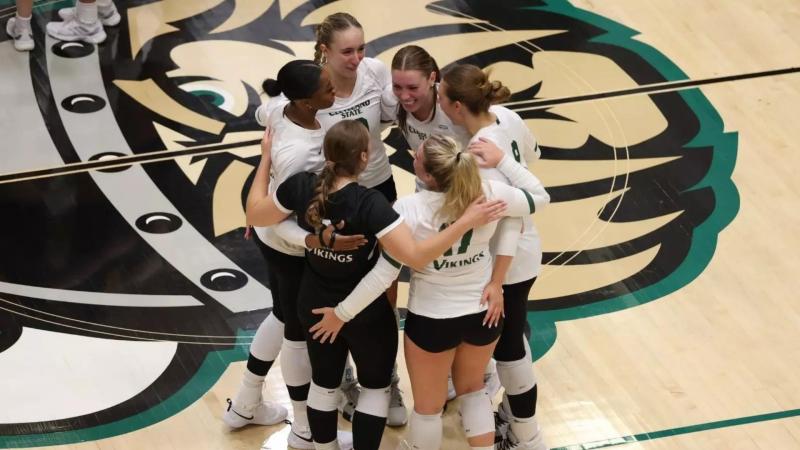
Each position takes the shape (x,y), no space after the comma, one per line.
(401,245)
(260,208)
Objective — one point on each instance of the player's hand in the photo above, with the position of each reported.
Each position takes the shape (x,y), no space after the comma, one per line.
(493,297)
(327,328)
(480,212)
(488,154)
(341,243)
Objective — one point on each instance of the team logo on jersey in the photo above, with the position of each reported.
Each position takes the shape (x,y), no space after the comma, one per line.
(640,185)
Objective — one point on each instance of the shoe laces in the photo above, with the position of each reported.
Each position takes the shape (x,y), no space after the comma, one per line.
(499,421)
(396,397)
(506,444)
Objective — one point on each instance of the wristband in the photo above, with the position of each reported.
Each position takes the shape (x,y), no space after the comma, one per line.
(333,239)
(321,238)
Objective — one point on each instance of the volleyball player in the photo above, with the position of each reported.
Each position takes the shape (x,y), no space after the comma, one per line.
(295,140)
(330,276)
(359,82)
(415,78)
(465,96)
(449,323)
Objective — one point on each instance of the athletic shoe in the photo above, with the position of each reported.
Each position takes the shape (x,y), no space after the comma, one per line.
(108,15)
(349,400)
(300,438)
(398,414)
(451,389)
(75,30)
(500,425)
(511,443)
(264,413)
(22,36)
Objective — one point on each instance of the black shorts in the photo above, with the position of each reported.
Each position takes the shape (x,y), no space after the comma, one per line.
(438,335)
(388,189)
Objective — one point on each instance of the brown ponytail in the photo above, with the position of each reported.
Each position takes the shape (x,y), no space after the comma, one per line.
(335,22)
(343,146)
(455,172)
(470,85)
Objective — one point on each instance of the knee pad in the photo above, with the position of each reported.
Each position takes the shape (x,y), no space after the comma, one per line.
(476,413)
(516,376)
(268,339)
(425,431)
(295,365)
(374,402)
(322,399)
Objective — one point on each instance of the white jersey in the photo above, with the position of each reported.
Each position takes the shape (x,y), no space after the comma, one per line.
(511,134)
(294,149)
(418,130)
(366,105)
(452,285)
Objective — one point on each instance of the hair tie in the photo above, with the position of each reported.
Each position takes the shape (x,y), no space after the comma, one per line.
(458,156)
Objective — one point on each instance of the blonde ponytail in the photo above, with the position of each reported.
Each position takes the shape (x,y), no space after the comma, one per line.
(455,172)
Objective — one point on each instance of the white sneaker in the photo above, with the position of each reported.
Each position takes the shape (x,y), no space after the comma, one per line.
(108,15)
(263,413)
(500,425)
(451,388)
(511,443)
(22,36)
(349,400)
(300,438)
(398,414)
(75,30)
(492,381)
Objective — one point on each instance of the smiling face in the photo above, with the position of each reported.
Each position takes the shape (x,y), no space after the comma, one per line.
(414,91)
(345,52)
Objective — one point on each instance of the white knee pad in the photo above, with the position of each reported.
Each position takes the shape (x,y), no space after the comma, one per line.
(374,402)
(295,365)
(425,431)
(268,339)
(516,376)
(322,399)
(476,413)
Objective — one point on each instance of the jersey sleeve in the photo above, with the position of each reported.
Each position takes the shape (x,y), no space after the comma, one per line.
(383,77)
(267,109)
(519,202)
(378,214)
(286,162)
(369,288)
(291,232)
(530,147)
(521,177)
(289,197)
(506,236)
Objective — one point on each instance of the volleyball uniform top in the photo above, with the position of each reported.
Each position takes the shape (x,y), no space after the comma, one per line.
(417,131)
(368,105)
(451,285)
(511,134)
(294,149)
(332,275)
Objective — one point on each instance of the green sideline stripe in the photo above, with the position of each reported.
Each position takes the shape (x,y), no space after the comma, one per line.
(683,430)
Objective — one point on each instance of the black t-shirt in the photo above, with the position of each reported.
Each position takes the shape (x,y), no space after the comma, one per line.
(364,211)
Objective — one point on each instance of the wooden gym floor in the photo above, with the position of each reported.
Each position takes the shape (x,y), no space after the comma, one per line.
(665,316)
